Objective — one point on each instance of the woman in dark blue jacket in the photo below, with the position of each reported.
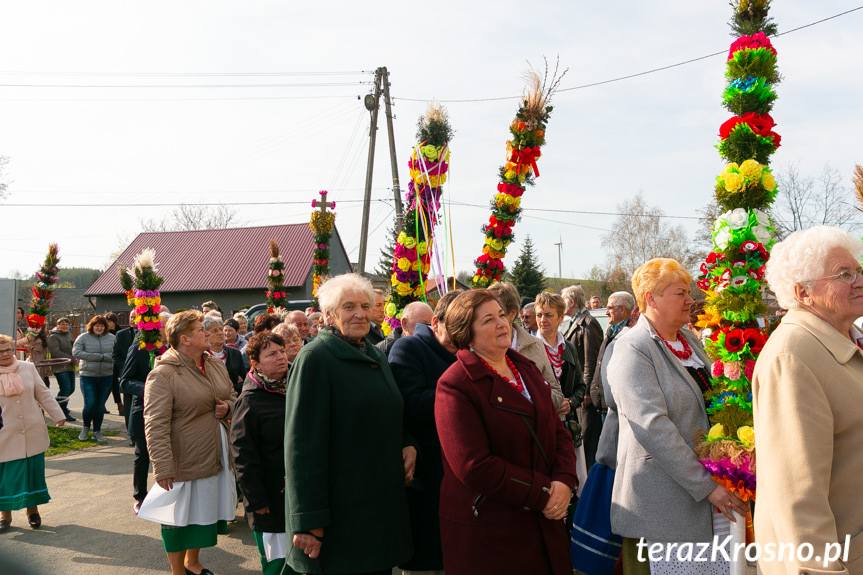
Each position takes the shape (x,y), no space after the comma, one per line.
(417,361)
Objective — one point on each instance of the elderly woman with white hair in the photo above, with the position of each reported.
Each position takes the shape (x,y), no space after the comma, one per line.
(345,450)
(807,392)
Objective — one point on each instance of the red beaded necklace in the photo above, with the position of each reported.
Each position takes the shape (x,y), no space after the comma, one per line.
(516,383)
(687,351)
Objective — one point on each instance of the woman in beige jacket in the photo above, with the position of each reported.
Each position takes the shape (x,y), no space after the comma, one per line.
(188,400)
(807,396)
(23,437)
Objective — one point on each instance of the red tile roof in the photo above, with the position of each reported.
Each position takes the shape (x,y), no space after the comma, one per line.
(225,259)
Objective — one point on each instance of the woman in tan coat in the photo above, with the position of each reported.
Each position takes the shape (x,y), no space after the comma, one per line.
(188,400)
(23,437)
(807,396)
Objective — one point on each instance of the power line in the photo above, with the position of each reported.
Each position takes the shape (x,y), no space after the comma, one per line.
(629,76)
(174,204)
(301,85)
(182,74)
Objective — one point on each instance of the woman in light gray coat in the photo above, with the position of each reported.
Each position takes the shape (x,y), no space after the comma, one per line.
(661,491)
(94,348)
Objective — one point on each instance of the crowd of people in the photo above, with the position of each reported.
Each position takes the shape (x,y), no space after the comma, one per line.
(486,435)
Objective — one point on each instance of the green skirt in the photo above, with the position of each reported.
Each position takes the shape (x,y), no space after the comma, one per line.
(192,536)
(22,483)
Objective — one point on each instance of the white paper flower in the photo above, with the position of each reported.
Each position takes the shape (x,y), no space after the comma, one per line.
(739,281)
(146,259)
(722,238)
(761,233)
(737,219)
(763,219)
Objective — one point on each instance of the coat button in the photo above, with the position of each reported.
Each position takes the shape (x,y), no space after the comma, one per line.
(499,399)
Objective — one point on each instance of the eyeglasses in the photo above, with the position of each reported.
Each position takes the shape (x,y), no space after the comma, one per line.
(10,350)
(846,277)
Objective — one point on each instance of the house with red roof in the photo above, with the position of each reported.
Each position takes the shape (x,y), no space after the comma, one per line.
(227,266)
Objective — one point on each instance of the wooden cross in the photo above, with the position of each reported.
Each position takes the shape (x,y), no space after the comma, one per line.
(323,204)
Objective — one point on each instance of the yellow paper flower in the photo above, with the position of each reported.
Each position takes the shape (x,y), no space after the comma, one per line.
(391,309)
(508,200)
(751,170)
(410,243)
(716,432)
(404,264)
(733,181)
(768,182)
(521,179)
(403,288)
(402,238)
(516,203)
(746,435)
(506,243)
(139,301)
(509,175)
(416,265)
(431,152)
(727,169)
(422,248)
(434,181)
(393,280)
(496,244)
(419,291)
(475,279)
(426,269)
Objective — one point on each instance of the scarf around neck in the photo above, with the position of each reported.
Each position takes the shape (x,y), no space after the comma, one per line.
(11,381)
(274,385)
(361,345)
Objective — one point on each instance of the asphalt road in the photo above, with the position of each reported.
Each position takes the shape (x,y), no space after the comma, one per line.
(89,528)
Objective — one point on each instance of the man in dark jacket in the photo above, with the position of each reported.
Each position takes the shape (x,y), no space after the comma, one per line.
(586,334)
(415,313)
(60,346)
(375,335)
(620,305)
(417,362)
(125,339)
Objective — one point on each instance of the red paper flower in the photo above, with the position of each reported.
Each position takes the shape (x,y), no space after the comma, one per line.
(755,338)
(734,340)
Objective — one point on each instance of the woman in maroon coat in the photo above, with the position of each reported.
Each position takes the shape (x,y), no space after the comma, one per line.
(509,465)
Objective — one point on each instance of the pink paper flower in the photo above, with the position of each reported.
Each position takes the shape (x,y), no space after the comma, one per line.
(717,369)
(749,368)
(731,370)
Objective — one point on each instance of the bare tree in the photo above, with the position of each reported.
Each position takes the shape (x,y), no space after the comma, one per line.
(189,217)
(806,201)
(642,233)
(4,185)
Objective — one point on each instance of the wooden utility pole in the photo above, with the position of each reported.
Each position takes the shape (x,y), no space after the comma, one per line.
(393,163)
(372,103)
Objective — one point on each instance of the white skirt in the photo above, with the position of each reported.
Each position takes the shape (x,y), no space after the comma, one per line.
(275,545)
(197,502)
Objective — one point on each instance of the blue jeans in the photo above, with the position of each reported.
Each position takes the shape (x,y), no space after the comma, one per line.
(96,391)
(66,383)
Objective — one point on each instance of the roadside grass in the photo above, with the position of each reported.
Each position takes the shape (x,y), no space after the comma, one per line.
(65,439)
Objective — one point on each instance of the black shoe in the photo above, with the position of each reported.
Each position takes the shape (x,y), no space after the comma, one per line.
(70,419)
(35,520)
(4,525)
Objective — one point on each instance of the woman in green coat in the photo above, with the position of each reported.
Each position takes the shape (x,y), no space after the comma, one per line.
(346,458)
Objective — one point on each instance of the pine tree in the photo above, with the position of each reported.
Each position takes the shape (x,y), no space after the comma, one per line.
(385,262)
(527,275)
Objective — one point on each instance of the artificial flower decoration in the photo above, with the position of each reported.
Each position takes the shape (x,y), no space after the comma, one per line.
(147,301)
(522,152)
(322,223)
(43,292)
(732,275)
(127,283)
(275,279)
(416,243)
